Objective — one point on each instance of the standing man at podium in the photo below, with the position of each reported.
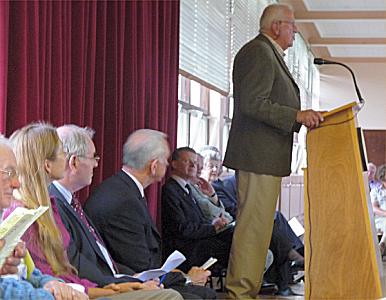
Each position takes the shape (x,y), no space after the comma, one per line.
(267,113)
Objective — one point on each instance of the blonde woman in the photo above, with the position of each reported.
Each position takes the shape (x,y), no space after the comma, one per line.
(40,159)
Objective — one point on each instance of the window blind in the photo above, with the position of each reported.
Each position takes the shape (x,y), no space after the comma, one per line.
(205,41)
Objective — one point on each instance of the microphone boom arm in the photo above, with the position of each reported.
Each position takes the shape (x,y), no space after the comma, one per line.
(321,61)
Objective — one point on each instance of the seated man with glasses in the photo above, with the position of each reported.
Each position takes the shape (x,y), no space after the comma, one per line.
(87,251)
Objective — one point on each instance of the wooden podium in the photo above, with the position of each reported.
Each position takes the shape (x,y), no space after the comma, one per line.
(341,247)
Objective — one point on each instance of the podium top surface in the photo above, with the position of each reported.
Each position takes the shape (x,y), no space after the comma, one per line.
(339,109)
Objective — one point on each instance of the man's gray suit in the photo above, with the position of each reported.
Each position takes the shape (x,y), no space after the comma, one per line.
(266,102)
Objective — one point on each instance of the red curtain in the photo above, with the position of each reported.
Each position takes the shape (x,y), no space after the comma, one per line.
(109,65)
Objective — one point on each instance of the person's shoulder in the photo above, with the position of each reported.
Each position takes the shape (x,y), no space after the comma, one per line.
(172,189)
(169,183)
(109,186)
(259,43)
(114,193)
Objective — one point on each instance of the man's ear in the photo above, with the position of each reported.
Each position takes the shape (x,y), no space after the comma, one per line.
(153,166)
(275,28)
(72,162)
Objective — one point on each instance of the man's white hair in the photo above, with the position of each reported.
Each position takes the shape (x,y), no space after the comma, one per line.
(273,12)
(75,138)
(142,146)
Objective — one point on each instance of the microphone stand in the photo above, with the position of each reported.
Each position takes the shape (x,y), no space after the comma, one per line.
(321,61)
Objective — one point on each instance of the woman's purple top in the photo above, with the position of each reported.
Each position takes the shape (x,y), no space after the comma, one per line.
(30,238)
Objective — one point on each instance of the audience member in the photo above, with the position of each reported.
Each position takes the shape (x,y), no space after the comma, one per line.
(87,251)
(371,172)
(211,207)
(37,285)
(39,151)
(378,200)
(206,196)
(212,169)
(184,226)
(119,210)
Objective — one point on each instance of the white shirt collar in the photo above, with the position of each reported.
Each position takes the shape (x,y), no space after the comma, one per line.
(276,45)
(139,185)
(182,182)
(65,192)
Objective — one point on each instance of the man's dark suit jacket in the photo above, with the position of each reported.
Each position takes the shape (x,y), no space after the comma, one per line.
(83,251)
(122,218)
(121,215)
(185,228)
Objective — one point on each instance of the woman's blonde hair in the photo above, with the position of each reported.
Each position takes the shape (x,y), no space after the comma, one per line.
(33,144)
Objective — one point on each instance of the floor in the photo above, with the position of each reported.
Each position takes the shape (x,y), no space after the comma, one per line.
(297,288)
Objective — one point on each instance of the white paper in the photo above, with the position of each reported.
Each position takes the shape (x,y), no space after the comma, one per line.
(226,227)
(173,261)
(208,263)
(13,228)
(296,226)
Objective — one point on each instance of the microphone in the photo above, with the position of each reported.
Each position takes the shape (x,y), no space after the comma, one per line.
(321,61)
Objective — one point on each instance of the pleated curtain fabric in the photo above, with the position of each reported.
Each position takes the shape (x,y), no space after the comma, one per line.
(109,65)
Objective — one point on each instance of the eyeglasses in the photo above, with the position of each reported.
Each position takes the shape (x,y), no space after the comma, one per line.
(288,22)
(95,157)
(10,173)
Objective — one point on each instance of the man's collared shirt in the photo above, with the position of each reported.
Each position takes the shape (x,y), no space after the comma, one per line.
(68,196)
(276,45)
(182,182)
(139,185)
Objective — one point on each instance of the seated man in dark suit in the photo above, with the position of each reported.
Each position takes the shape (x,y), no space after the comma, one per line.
(119,210)
(87,251)
(184,226)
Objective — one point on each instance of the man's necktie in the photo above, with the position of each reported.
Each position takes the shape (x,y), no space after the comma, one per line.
(75,203)
(190,193)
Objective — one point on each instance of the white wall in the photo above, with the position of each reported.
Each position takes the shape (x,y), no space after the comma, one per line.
(337,88)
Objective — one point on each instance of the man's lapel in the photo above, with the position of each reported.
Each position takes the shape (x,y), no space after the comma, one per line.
(62,202)
(132,187)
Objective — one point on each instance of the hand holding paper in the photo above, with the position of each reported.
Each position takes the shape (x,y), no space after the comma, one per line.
(13,228)
(173,261)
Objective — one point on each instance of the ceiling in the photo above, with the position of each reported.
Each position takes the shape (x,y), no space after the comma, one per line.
(343,30)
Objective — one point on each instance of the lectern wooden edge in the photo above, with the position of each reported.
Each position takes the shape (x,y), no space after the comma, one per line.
(341,249)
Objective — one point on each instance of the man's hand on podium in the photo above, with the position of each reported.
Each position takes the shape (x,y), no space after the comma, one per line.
(309,118)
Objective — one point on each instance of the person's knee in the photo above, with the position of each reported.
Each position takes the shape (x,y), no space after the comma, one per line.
(169,294)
